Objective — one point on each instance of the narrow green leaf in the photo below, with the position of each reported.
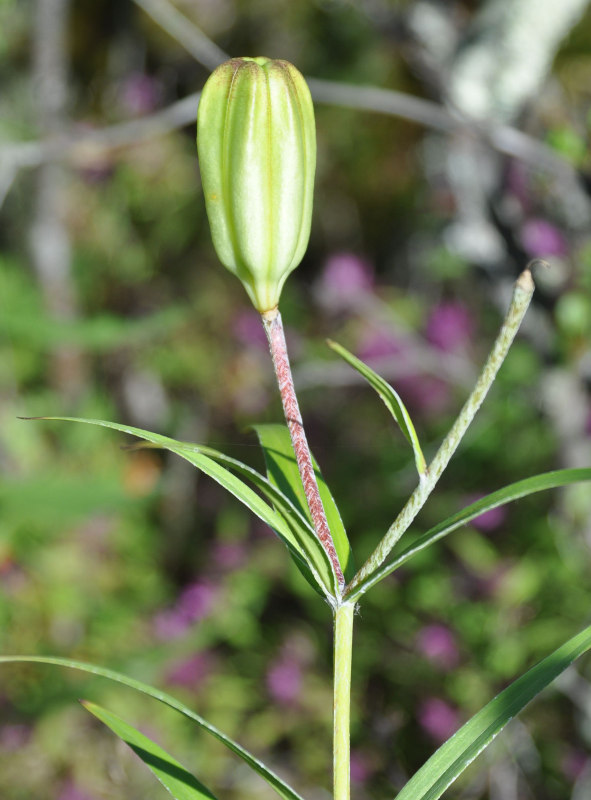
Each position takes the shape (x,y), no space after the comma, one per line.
(537,483)
(178,781)
(304,548)
(282,471)
(313,556)
(452,758)
(391,400)
(282,788)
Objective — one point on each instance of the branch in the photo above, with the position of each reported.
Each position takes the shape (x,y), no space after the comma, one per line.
(185,32)
(502,138)
(522,294)
(77,147)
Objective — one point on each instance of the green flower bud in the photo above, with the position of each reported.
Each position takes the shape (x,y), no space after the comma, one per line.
(256,142)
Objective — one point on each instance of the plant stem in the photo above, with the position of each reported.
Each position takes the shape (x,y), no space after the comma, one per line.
(274,330)
(343,649)
(522,294)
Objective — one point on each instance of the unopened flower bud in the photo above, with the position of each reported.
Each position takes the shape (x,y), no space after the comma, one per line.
(256,142)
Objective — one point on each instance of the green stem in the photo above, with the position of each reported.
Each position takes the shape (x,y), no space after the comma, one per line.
(522,294)
(343,649)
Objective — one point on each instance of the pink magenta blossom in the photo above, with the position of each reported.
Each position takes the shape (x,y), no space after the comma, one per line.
(228,556)
(284,680)
(194,603)
(248,330)
(438,718)
(574,763)
(380,343)
(190,672)
(450,327)
(438,644)
(361,769)
(140,94)
(73,792)
(13,737)
(490,520)
(541,239)
(345,280)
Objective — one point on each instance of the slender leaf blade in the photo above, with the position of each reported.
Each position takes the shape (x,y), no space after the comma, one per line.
(177,780)
(391,400)
(282,471)
(283,789)
(514,491)
(305,538)
(304,548)
(452,758)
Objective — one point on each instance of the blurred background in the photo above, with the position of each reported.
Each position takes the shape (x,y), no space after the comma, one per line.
(453,148)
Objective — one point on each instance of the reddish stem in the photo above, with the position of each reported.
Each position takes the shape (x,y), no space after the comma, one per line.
(274,330)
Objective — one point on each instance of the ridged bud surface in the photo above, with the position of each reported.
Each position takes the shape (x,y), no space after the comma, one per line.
(256,142)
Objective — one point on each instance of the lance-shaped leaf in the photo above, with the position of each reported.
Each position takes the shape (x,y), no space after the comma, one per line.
(177,780)
(281,787)
(282,471)
(301,527)
(452,758)
(391,400)
(303,546)
(537,483)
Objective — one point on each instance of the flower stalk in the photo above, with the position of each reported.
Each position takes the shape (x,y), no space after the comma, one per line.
(274,329)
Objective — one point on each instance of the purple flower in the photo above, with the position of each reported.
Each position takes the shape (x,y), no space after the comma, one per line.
(438,718)
(360,767)
(438,644)
(247,329)
(345,279)
(190,672)
(574,763)
(540,239)
(170,624)
(284,681)
(450,327)
(195,603)
(518,182)
(13,737)
(490,520)
(425,393)
(140,94)
(72,792)
(197,600)
(379,343)
(228,556)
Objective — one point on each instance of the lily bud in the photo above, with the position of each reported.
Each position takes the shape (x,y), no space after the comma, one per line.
(256,142)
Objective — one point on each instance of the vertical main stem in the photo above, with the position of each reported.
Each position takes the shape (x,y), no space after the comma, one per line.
(274,330)
(343,649)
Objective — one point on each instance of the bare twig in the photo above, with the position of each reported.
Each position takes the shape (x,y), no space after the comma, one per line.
(8,173)
(50,243)
(77,147)
(72,147)
(503,138)
(182,29)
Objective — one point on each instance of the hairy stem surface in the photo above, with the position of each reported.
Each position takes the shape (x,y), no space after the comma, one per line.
(274,330)
(343,649)
(522,294)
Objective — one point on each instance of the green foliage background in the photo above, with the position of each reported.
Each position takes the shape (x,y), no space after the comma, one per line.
(98,545)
